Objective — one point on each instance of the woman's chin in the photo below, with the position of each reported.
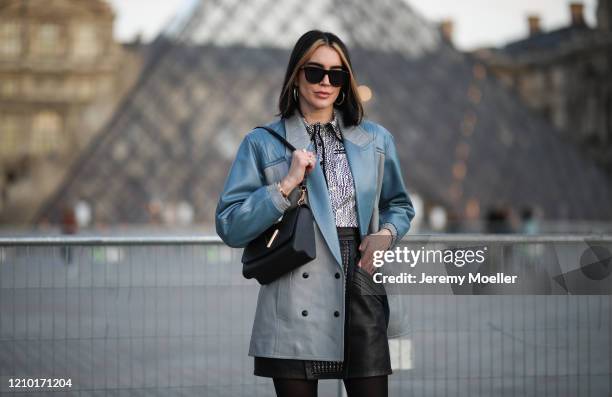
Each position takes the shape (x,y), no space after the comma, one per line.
(320,104)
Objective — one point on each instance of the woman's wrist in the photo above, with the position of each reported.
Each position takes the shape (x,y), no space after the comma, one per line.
(392,231)
(282,191)
(287,185)
(387,232)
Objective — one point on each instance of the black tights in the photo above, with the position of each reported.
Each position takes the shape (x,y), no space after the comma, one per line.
(372,386)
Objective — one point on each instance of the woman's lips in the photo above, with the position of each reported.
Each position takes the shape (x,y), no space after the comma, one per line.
(322,95)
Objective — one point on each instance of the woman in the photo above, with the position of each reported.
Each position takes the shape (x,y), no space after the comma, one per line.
(316,322)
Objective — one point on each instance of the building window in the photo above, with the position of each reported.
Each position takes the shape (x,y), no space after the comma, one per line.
(10,143)
(46,133)
(86,44)
(8,86)
(47,40)
(85,89)
(49,87)
(10,39)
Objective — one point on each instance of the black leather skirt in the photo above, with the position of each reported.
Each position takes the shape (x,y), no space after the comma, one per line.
(366,347)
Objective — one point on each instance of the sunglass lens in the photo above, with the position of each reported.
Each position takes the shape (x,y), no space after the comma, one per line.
(337,77)
(314,75)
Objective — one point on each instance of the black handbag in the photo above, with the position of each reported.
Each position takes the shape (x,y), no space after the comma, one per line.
(284,246)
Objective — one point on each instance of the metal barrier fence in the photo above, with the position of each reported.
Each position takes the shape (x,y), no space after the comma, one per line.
(172,316)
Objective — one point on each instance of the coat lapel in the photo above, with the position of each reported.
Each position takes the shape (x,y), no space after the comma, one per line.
(362,162)
(318,196)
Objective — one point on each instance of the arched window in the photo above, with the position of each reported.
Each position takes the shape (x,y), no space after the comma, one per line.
(46,134)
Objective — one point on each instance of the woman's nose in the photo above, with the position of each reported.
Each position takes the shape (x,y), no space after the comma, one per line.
(325,80)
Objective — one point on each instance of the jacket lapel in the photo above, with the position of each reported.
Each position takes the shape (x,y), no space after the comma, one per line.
(362,162)
(318,196)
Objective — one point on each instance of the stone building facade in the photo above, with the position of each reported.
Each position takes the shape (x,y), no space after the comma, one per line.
(565,75)
(61,76)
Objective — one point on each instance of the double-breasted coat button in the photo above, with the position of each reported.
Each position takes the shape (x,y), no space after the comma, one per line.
(304,313)
(337,275)
(305,274)
(336,313)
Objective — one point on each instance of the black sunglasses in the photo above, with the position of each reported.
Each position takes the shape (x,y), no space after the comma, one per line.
(315,74)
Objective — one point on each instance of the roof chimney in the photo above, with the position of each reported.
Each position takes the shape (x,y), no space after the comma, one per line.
(534,24)
(446,27)
(576,10)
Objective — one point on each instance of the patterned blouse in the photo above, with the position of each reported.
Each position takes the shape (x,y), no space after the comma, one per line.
(332,158)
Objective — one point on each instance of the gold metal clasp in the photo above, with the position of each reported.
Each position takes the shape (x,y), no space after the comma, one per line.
(272,238)
(302,198)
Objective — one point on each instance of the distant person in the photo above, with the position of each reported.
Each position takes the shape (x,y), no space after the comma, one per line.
(454,222)
(316,324)
(529,224)
(69,223)
(498,220)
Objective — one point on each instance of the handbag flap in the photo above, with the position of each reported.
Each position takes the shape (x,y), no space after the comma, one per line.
(273,237)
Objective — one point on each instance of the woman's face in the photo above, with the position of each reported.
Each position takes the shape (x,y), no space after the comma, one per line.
(320,95)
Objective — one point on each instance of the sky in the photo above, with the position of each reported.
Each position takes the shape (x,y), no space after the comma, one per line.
(477,23)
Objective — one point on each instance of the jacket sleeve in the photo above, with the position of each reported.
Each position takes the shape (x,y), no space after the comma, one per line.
(395,207)
(247,206)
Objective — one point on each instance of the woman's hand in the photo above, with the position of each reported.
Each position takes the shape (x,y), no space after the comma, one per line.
(302,162)
(379,241)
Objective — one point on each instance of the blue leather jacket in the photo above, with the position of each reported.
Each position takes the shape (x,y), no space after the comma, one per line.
(250,203)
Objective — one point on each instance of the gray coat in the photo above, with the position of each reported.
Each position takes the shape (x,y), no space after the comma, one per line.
(295,318)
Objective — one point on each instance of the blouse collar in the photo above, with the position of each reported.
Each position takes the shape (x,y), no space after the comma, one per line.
(333,123)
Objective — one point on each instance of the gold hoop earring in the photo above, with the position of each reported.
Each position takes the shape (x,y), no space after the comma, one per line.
(342,101)
(295,94)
